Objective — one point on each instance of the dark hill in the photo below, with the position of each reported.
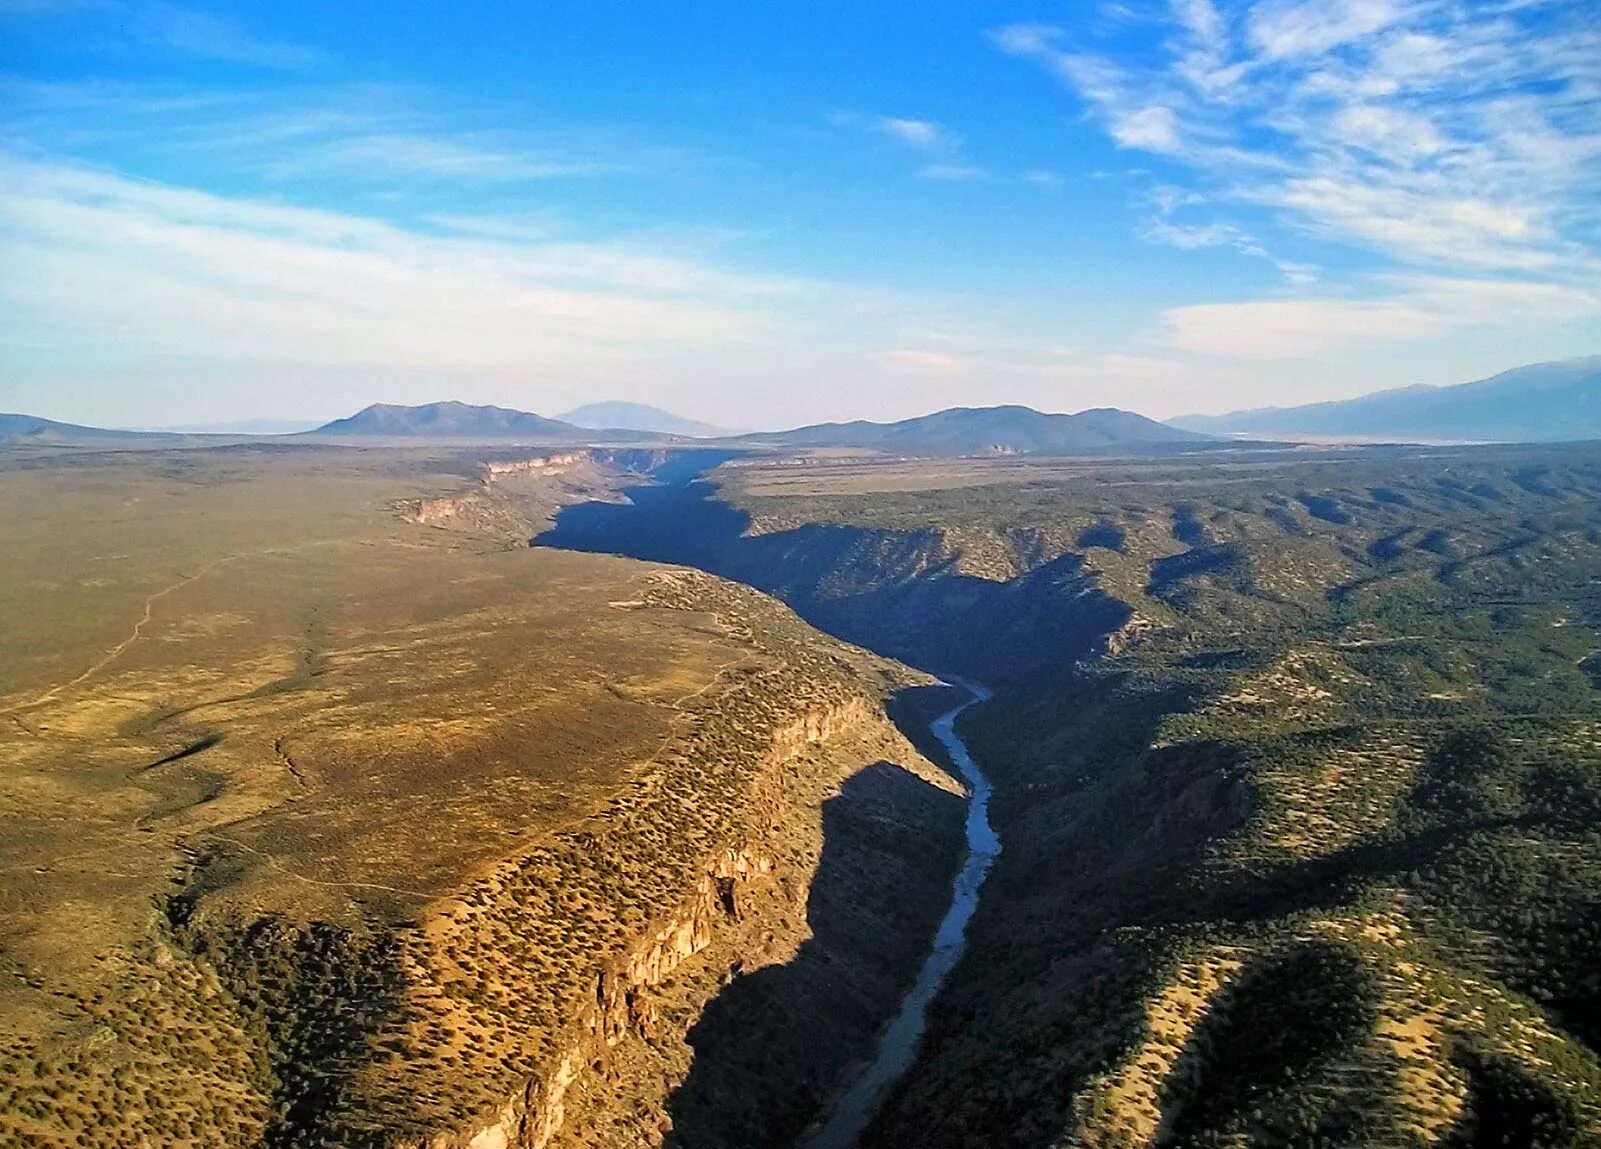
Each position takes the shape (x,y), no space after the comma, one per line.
(32,429)
(451,421)
(1011,430)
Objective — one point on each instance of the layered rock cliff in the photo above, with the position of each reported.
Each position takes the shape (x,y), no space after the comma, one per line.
(604,946)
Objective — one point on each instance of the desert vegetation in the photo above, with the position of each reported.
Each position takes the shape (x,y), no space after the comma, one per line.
(322,827)
(1298,771)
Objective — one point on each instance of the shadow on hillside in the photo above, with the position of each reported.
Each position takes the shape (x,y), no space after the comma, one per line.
(776,1043)
(897,592)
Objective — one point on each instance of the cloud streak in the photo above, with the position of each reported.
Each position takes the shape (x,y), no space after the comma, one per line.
(202,34)
(367,136)
(135,267)
(924,135)
(176,29)
(1453,140)
(1413,309)
(1427,132)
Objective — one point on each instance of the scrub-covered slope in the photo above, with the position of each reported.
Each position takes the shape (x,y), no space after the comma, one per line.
(1298,767)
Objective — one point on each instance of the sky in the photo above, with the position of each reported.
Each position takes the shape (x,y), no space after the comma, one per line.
(761,215)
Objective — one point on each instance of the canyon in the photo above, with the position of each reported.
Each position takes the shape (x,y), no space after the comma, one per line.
(1231,699)
(643,834)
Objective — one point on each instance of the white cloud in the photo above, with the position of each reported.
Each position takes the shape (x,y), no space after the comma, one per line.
(1412,309)
(917,134)
(459,157)
(1131,119)
(105,265)
(950,173)
(1196,237)
(1153,128)
(1291,329)
(142,293)
(1423,224)
(371,136)
(1401,136)
(1443,136)
(937,362)
(925,135)
(1307,27)
(205,34)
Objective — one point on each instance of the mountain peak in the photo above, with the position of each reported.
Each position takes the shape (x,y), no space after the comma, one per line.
(1011,429)
(1547,402)
(638,417)
(448,419)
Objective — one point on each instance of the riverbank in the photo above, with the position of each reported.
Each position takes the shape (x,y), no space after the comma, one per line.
(898,1046)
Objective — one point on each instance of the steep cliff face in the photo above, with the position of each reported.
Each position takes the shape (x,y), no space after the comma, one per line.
(615,1072)
(515,498)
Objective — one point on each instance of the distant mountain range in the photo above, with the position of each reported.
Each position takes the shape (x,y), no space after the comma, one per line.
(954,432)
(1545,402)
(638,417)
(992,431)
(958,431)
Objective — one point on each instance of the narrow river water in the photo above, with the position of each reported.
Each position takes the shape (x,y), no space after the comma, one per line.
(898,1047)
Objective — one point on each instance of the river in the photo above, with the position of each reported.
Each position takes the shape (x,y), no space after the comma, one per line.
(897,1047)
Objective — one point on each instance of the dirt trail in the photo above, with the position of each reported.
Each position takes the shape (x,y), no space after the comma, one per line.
(144,620)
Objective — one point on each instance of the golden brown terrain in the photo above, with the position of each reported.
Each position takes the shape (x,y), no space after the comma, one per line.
(321,825)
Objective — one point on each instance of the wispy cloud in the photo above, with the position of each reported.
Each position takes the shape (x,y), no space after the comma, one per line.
(1428,132)
(941,147)
(465,157)
(205,34)
(1459,141)
(1410,309)
(950,173)
(914,359)
(115,278)
(1282,29)
(174,28)
(1132,119)
(925,135)
(367,135)
(139,267)
(1166,229)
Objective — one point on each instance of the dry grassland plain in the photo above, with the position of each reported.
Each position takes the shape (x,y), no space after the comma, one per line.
(319,825)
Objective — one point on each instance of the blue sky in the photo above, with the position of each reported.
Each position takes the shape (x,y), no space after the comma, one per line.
(764,214)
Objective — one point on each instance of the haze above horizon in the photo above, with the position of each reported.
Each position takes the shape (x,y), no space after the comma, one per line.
(783,214)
